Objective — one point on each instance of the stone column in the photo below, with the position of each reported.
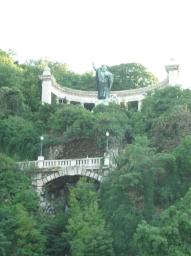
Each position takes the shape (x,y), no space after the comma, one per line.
(126,105)
(57,100)
(139,105)
(46,78)
(173,73)
(40,161)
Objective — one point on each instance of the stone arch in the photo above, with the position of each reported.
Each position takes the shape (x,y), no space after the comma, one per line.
(71,172)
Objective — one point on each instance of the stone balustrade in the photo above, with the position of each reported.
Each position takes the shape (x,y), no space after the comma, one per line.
(28,164)
(94,162)
(72,162)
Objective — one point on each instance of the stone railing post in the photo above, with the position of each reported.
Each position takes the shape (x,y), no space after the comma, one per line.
(173,73)
(40,161)
(106,159)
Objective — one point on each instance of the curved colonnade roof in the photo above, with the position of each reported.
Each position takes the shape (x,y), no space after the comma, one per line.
(91,96)
(50,86)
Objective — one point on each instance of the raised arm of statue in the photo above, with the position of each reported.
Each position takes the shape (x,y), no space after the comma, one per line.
(111,81)
(94,67)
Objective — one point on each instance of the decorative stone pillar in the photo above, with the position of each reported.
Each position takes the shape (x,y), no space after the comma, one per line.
(106,159)
(126,105)
(173,73)
(40,161)
(139,105)
(46,78)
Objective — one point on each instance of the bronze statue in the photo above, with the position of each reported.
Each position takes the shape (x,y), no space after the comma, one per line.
(104,81)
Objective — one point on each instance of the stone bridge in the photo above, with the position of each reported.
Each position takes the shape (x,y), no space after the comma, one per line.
(45,171)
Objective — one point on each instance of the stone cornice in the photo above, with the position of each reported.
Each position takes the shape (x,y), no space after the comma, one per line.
(123,93)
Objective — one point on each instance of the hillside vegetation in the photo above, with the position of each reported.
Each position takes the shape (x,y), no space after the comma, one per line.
(142,208)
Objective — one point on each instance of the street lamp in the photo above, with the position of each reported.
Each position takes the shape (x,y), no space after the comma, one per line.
(41,143)
(107,137)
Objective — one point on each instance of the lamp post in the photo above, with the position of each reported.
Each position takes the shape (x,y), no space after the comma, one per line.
(107,138)
(41,144)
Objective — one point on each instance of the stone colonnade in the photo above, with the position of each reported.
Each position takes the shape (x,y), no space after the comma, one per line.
(89,99)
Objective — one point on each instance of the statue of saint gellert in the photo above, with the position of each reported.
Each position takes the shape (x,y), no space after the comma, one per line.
(104,81)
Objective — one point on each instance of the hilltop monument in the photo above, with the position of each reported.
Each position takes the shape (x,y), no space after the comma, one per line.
(104,81)
(103,95)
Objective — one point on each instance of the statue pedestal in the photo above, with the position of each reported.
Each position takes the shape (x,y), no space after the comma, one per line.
(103,102)
(112,99)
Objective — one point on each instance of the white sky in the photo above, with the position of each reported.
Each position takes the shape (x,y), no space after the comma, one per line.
(111,32)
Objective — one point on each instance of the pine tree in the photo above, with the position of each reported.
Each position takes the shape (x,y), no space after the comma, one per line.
(87,233)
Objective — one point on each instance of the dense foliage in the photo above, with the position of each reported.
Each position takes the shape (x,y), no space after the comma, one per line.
(131,76)
(20,232)
(142,208)
(127,76)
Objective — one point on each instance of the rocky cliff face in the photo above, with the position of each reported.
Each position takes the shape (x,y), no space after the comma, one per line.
(74,149)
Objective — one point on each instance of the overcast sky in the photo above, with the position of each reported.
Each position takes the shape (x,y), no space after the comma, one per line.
(111,32)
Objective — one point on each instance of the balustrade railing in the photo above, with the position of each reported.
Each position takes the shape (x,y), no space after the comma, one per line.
(89,162)
(25,165)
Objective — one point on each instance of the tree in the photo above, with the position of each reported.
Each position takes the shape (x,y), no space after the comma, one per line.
(183,161)
(171,234)
(72,122)
(127,194)
(11,102)
(70,79)
(159,117)
(20,232)
(10,72)
(19,137)
(131,76)
(162,101)
(165,99)
(31,84)
(87,233)
(6,162)
(114,119)
(166,181)
(56,234)
(168,130)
